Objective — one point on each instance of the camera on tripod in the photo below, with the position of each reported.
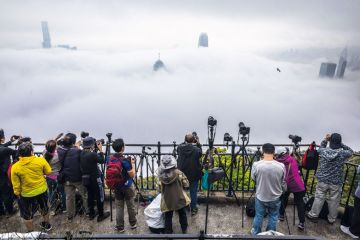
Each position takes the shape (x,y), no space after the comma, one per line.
(212,121)
(84,134)
(243,130)
(228,137)
(295,139)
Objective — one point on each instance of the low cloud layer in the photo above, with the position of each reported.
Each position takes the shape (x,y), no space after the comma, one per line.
(108,84)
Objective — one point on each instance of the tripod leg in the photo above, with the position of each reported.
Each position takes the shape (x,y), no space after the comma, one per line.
(111,210)
(207,208)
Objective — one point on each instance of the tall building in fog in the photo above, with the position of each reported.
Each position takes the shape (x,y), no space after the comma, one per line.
(342,64)
(158,65)
(327,70)
(46,35)
(203,40)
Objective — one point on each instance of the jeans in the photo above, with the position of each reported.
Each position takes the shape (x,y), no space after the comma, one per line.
(70,190)
(260,210)
(182,220)
(56,192)
(333,202)
(193,194)
(121,196)
(299,202)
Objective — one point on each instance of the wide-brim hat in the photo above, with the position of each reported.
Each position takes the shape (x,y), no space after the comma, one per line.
(335,141)
(168,162)
(281,150)
(88,142)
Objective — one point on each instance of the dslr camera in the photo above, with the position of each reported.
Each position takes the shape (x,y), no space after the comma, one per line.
(295,139)
(243,130)
(227,137)
(84,134)
(212,121)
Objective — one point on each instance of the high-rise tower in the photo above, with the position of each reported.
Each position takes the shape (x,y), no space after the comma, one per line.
(203,40)
(342,64)
(46,35)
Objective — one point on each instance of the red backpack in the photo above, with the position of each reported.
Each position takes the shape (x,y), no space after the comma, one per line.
(114,173)
(311,158)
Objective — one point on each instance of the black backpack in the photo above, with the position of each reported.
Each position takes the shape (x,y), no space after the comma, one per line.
(324,211)
(310,159)
(250,207)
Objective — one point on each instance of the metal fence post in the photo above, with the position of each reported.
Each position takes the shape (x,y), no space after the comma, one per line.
(159,153)
(233,160)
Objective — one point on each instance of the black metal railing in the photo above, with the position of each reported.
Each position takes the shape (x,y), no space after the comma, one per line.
(148,156)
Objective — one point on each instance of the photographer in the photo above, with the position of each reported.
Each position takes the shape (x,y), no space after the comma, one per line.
(6,192)
(330,176)
(52,157)
(189,154)
(91,177)
(269,176)
(27,176)
(124,192)
(70,174)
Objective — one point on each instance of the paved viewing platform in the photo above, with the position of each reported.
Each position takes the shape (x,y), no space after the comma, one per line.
(224,218)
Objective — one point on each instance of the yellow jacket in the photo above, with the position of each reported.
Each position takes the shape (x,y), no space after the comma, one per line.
(27,176)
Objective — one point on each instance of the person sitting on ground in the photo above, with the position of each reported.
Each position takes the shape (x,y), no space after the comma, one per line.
(352,228)
(189,163)
(172,183)
(30,187)
(69,155)
(269,176)
(330,176)
(295,185)
(51,155)
(6,192)
(92,177)
(126,192)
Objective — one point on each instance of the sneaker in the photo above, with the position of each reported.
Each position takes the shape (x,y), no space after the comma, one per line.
(119,229)
(346,230)
(281,217)
(103,216)
(133,226)
(194,211)
(311,218)
(45,226)
(301,226)
(52,213)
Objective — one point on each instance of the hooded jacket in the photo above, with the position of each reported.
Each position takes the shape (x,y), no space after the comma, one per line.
(292,178)
(331,164)
(27,176)
(189,161)
(171,186)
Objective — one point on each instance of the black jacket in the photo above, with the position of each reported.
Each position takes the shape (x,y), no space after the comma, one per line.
(5,159)
(189,160)
(71,163)
(89,163)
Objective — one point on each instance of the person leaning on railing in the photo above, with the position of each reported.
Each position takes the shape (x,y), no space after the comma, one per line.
(330,176)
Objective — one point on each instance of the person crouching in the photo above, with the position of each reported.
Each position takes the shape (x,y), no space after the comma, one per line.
(173,197)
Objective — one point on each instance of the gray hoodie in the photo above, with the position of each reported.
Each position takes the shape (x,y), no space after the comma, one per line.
(331,164)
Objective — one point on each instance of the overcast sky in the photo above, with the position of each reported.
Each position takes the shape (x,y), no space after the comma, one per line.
(108,84)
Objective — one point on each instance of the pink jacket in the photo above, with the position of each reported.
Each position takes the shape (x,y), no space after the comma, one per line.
(293,178)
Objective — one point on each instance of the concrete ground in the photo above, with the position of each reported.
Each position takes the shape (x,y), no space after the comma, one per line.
(223,218)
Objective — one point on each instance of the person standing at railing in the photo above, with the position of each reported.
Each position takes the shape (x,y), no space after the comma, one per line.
(125,192)
(269,176)
(51,155)
(6,192)
(29,184)
(295,185)
(189,154)
(172,184)
(71,175)
(353,228)
(330,176)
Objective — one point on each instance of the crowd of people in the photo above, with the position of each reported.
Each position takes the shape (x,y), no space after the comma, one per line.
(69,169)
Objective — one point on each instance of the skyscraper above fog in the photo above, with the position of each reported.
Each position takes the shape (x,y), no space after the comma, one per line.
(327,70)
(203,40)
(46,35)
(342,64)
